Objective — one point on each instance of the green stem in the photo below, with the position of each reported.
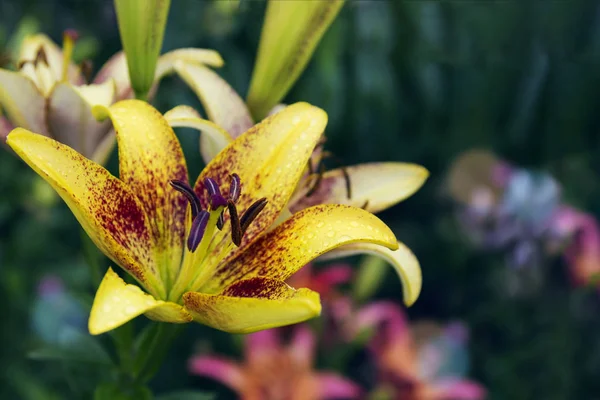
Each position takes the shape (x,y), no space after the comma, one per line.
(152,347)
(123,338)
(141,95)
(92,258)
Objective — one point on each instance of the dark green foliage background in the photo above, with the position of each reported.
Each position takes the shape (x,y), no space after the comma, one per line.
(417,81)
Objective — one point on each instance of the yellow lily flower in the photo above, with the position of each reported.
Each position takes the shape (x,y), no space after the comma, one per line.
(371,186)
(191,260)
(49,94)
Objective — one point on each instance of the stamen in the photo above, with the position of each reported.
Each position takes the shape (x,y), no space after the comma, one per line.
(236,229)
(251,213)
(216,199)
(86,68)
(70,36)
(348,185)
(327,154)
(235,188)
(190,194)
(40,56)
(221,221)
(317,183)
(197,230)
(364,206)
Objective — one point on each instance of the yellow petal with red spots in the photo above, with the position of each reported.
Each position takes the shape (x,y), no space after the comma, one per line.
(374,186)
(297,241)
(104,206)
(252,305)
(403,260)
(149,157)
(117,302)
(270,159)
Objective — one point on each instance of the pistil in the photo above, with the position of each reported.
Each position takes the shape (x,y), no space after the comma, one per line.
(201,240)
(70,36)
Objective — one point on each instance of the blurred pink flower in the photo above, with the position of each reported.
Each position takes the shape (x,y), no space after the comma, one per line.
(272,371)
(323,281)
(583,253)
(424,361)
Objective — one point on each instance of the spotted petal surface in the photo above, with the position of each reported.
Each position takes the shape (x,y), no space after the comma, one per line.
(149,157)
(305,236)
(110,214)
(253,304)
(270,159)
(117,302)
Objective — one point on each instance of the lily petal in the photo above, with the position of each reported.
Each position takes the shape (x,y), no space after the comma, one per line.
(116,67)
(262,345)
(376,185)
(166,62)
(305,236)
(302,346)
(22,102)
(269,159)
(334,386)
(109,213)
(455,389)
(29,50)
(70,117)
(403,260)
(104,148)
(222,104)
(5,128)
(227,372)
(213,139)
(252,305)
(117,302)
(149,158)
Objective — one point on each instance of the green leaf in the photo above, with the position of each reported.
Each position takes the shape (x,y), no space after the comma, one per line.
(369,278)
(112,391)
(291,32)
(73,346)
(186,395)
(142,27)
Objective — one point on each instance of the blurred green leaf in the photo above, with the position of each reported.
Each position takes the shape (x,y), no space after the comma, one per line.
(186,395)
(74,346)
(112,391)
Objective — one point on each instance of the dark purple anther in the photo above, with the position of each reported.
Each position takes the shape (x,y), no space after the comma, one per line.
(235,188)
(197,230)
(216,200)
(191,196)
(236,230)
(251,213)
(221,221)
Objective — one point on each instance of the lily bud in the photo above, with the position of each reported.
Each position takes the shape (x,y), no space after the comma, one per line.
(142,27)
(290,34)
